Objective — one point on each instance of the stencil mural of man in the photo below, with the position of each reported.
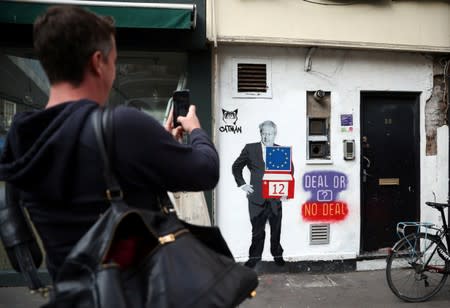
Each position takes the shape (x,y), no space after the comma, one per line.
(261,210)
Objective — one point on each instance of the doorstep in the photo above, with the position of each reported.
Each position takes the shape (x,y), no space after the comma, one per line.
(367,261)
(375,260)
(314,267)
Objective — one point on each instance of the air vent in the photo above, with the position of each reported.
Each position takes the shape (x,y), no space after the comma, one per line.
(319,234)
(252,77)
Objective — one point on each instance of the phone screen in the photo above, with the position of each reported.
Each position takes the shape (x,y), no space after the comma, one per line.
(180,105)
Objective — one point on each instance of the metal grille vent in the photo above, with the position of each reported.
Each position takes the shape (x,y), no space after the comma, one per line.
(319,234)
(252,77)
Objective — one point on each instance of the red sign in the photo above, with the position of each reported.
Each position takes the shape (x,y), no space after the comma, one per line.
(324,211)
(276,186)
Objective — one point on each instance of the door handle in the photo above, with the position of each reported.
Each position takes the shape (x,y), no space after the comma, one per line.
(365,175)
(367,161)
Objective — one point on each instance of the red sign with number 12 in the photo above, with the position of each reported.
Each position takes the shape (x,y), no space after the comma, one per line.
(278,186)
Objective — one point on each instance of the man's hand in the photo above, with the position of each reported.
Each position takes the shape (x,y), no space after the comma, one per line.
(177,132)
(188,123)
(247,188)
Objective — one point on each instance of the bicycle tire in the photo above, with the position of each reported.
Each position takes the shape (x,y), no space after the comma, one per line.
(405,272)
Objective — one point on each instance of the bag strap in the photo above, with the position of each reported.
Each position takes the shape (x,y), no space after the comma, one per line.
(19,241)
(102,123)
(103,119)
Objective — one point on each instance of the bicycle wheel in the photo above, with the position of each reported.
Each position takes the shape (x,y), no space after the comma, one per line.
(415,271)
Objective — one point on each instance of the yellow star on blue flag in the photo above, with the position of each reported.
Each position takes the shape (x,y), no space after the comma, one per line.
(278,158)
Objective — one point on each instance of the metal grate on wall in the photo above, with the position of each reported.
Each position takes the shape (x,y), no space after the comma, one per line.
(252,77)
(319,234)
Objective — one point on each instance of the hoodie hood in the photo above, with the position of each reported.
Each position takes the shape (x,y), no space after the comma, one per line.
(40,149)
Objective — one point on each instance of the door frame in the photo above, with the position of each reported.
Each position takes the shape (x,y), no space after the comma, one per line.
(415,99)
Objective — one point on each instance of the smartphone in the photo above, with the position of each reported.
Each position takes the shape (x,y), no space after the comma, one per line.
(181,105)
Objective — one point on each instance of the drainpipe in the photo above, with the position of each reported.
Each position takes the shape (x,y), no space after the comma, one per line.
(215,96)
(308,60)
(447,92)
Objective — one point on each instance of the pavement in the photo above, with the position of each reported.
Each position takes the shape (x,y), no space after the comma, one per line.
(351,289)
(283,290)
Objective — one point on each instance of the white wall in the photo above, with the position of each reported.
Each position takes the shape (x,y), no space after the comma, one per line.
(345,73)
(436,179)
(386,24)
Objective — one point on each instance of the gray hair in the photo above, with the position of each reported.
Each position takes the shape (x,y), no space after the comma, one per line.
(267,123)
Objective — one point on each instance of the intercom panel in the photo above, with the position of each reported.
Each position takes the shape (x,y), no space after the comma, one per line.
(349,149)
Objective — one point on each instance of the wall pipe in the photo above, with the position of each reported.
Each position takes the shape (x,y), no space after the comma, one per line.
(215,95)
(447,92)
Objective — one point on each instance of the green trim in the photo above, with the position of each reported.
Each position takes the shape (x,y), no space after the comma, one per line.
(125,17)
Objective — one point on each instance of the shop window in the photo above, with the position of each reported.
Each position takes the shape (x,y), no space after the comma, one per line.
(318,124)
(146,81)
(252,78)
(23,87)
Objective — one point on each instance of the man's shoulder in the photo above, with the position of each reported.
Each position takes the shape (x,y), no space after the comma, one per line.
(132,123)
(129,116)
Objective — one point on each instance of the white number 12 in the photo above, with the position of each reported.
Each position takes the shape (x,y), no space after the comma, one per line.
(278,188)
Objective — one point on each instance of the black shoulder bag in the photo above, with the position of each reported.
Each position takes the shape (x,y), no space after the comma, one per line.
(174,264)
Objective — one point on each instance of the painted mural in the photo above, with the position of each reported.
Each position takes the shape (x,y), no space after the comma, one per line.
(324,204)
(327,188)
(229,120)
(270,174)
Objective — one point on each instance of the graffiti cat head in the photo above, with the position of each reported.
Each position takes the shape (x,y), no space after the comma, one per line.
(229,117)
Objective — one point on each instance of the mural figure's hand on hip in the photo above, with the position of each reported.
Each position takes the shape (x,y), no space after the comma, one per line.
(247,188)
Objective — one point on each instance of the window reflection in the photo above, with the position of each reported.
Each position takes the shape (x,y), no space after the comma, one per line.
(144,81)
(147,82)
(23,86)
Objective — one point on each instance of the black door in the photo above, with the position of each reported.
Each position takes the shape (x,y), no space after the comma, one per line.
(389,166)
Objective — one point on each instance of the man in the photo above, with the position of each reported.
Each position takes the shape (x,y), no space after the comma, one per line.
(261,210)
(51,156)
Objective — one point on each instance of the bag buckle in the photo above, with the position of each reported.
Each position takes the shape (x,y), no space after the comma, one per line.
(114,194)
(44,292)
(167,210)
(167,238)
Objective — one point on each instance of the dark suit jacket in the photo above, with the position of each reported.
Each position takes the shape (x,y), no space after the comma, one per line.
(252,158)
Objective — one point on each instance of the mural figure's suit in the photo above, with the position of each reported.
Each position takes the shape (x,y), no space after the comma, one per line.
(260,209)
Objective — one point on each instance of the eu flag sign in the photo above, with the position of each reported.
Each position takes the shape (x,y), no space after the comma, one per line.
(278,159)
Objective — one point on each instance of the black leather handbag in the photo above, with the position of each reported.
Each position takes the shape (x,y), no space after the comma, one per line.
(174,264)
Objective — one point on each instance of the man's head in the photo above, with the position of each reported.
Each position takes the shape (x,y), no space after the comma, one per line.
(268,131)
(68,41)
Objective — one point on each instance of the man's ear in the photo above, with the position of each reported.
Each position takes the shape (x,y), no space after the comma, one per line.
(96,63)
